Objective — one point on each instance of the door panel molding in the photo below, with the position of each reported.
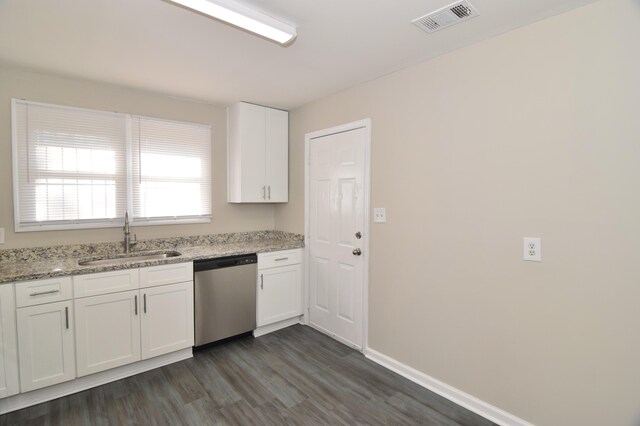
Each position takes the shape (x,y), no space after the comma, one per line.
(366,231)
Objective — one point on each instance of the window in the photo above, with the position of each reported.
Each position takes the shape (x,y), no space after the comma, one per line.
(78,168)
(171,169)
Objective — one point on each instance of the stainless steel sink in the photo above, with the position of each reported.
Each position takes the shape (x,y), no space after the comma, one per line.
(133,257)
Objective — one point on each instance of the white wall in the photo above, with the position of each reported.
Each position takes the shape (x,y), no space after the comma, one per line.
(532,133)
(64,91)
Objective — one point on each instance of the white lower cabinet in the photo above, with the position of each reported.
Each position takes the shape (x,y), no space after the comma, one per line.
(45,345)
(167,318)
(9,382)
(119,328)
(107,331)
(279,286)
(56,329)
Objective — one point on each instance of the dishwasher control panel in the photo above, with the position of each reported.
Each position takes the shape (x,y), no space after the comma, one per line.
(224,262)
(247,261)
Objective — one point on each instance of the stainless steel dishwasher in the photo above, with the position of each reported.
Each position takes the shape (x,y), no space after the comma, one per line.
(225,297)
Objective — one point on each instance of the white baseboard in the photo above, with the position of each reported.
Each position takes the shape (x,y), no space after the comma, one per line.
(38,396)
(457,396)
(266,329)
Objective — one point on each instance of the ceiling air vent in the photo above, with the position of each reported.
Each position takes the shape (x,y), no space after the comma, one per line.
(449,15)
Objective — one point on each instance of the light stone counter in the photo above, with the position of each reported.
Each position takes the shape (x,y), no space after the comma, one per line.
(47,262)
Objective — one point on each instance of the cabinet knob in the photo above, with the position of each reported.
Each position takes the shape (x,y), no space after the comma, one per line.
(357,252)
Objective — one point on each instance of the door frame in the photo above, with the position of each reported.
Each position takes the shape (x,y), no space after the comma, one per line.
(366,124)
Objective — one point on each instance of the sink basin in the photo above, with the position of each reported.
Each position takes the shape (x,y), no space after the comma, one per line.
(127,258)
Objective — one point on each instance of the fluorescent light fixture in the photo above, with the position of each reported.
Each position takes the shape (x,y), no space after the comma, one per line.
(243,17)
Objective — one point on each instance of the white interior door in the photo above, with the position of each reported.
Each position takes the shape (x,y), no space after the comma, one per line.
(336,215)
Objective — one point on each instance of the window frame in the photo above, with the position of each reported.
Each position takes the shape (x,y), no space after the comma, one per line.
(76,224)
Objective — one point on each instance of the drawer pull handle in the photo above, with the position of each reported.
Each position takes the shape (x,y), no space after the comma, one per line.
(261,281)
(135,303)
(144,297)
(40,293)
(281,259)
(66,315)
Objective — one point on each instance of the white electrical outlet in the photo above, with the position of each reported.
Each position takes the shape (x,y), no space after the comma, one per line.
(1,235)
(532,249)
(380,215)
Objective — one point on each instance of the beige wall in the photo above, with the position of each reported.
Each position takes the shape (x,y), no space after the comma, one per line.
(63,91)
(532,133)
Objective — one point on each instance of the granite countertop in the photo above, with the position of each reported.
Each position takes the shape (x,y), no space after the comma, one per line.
(47,262)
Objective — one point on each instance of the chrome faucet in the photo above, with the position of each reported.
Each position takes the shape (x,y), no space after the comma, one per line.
(128,243)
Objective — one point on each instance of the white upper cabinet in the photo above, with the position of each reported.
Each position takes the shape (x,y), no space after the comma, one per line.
(258,154)
(277,155)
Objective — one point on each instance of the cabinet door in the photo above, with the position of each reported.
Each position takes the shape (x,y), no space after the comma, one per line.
(45,345)
(9,384)
(277,155)
(279,294)
(107,331)
(167,319)
(251,133)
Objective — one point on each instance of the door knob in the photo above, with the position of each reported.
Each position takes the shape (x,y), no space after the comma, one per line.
(357,252)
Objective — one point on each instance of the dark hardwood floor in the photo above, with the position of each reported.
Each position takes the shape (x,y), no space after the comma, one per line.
(295,376)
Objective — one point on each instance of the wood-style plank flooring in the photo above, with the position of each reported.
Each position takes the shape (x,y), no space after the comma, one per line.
(295,376)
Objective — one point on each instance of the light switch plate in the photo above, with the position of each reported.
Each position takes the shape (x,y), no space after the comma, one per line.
(1,235)
(380,215)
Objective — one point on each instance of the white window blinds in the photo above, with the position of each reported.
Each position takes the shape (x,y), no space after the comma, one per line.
(171,170)
(71,166)
(77,168)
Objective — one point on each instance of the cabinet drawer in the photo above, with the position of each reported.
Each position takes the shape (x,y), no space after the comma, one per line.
(30,293)
(105,282)
(279,258)
(166,274)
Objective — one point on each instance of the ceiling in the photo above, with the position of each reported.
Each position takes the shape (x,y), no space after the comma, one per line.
(157,46)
